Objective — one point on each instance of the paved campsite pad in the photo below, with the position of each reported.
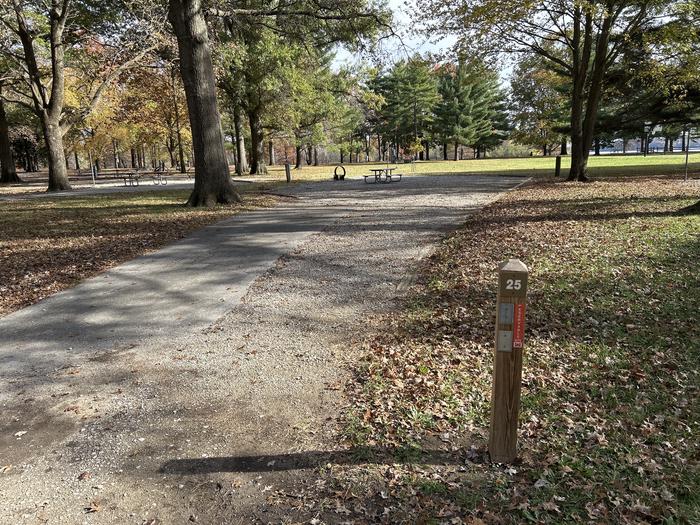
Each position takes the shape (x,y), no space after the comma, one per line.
(195,382)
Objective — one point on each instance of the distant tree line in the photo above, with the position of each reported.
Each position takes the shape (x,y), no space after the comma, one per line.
(133,84)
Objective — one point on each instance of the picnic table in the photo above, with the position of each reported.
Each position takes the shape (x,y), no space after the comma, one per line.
(131,178)
(383,175)
(158,176)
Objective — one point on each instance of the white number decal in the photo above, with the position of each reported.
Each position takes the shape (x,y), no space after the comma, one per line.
(516,284)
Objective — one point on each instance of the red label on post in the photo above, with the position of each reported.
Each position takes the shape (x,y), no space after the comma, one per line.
(519,326)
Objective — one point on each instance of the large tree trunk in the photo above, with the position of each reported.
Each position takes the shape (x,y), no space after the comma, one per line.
(257,160)
(58,175)
(595,90)
(456,152)
(8,170)
(581,59)
(241,158)
(212,181)
(444,151)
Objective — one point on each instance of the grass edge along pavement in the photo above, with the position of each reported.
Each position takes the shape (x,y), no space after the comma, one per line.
(610,409)
(50,244)
(601,166)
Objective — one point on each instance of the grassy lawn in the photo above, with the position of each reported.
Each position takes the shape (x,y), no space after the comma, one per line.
(610,413)
(50,244)
(604,165)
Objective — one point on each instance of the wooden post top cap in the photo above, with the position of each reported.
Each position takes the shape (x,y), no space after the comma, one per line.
(513,265)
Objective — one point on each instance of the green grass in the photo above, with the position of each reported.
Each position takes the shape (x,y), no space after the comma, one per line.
(603,166)
(609,414)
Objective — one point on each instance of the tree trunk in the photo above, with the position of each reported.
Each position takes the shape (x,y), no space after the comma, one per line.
(581,60)
(564,145)
(624,146)
(212,181)
(257,159)
(178,127)
(298,164)
(427,150)
(315,155)
(456,150)
(544,150)
(595,89)
(115,153)
(77,160)
(444,151)
(271,153)
(8,170)
(597,146)
(241,158)
(683,144)
(58,175)
(170,145)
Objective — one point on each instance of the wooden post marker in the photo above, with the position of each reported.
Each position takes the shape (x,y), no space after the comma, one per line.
(557,166)
(508,360)
(288,171)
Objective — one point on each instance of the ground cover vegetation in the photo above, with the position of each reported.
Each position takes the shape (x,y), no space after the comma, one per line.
(609,407)
(610,411)
(602,166)
(52,244)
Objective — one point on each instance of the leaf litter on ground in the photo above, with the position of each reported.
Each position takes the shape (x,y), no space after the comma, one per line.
(609,418)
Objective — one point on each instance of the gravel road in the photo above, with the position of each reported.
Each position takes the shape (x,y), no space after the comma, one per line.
(205,422)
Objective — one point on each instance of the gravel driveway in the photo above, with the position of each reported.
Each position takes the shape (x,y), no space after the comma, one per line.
(208,415)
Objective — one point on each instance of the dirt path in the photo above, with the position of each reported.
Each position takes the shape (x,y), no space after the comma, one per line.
(205,420)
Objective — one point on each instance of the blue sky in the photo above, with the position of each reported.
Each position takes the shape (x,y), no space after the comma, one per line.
(411,41)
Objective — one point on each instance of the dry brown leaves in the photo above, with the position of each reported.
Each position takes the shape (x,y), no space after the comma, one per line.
(610,412)
(47,245)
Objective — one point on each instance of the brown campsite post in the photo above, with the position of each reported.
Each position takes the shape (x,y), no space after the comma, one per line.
(508,360)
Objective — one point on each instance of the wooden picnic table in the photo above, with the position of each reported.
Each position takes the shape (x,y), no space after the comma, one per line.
(387,173)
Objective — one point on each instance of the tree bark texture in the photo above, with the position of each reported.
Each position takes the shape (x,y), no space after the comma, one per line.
(48,101)
(8,170)
(257,160)
(587,88)
(212,181)
(241,158)
(271,153)
(299,160)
